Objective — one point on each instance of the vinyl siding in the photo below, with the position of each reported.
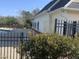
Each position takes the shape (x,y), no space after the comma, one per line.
(54,15)
(47,21)
(63,15)
(73,15)
(43,23)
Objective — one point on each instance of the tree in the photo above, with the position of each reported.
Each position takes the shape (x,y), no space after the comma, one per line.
(8,20)
(27,18)
(35,11)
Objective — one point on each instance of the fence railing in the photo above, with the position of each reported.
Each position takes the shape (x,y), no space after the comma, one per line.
(66,27)
(9,42)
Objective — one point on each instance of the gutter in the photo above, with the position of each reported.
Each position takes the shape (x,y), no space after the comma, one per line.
(43,13)
(71,9)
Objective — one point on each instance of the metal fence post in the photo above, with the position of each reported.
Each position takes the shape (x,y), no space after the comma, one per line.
(21,42)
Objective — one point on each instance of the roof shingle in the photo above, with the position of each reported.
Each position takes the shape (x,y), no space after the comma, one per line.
(48,5)
(60,4)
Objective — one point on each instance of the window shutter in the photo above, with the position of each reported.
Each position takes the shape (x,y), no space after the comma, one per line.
(38,26)
(65,28)
(74,28)
(55,25)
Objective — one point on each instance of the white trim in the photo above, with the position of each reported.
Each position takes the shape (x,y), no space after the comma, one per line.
(68,3)
(55,10)
(60,9)
(75,0)
(73,9)
(4,28)
(42,13)
(54,4)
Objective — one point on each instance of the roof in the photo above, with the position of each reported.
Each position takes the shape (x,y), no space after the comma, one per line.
(48,5)
(59,4)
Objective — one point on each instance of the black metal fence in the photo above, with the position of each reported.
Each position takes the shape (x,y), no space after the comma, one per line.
(66,27)
(9,42)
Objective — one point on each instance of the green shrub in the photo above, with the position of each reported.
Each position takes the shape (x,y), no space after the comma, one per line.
(44,45)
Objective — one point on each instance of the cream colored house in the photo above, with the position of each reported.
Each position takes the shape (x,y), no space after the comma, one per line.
(60,16)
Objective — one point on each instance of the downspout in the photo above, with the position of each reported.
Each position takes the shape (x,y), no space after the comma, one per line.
(50,24)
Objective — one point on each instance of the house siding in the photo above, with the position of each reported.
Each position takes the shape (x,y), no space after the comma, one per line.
(54,16)
(73,15)
(43,23)
(64,16)
(61,14)
(47,21)
(68,15)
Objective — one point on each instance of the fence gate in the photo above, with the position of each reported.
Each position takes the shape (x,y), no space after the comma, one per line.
(9,42)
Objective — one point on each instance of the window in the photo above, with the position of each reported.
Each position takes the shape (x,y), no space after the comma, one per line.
(63,27)
(34,25)
(37,25)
